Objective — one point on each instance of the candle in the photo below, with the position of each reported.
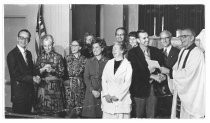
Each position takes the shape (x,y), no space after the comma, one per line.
(162,23)
(154,26)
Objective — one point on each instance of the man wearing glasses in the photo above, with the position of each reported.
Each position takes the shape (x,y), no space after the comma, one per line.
(188,79)
(170,57)
(21,71)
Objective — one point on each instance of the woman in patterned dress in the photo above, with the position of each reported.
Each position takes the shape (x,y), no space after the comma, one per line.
(50,64)
(74,86)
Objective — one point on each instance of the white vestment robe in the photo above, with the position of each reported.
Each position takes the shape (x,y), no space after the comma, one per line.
(189,84)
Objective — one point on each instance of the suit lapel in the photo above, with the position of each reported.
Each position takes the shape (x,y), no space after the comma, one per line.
(20,57)
(112,75)
(140,54)
(171,52)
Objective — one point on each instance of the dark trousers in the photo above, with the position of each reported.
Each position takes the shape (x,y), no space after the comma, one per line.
(164,105)
(145,107)
(22,108)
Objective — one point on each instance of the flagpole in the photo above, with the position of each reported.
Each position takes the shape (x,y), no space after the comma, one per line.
(40,47)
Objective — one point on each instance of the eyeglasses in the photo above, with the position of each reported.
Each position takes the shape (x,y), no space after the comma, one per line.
(164,38)
(119,34)
(23,38)
(184,36)
(74,45)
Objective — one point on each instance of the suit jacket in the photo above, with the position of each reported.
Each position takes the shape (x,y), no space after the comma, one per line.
(140,86)
(172,57)
(162,89)
(21,76)
(116,84)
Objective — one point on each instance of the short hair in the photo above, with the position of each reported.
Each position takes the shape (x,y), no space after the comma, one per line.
(47,37)
(167,32)
(86,35)
(140,31)
(24,30)
(122,46)
(122,28)
(132,34)
(101,42)
(80,42)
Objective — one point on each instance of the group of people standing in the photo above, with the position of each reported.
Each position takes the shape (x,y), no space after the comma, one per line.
(118,81)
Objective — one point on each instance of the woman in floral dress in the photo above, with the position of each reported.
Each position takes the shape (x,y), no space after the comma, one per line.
(74,86)
(50,89)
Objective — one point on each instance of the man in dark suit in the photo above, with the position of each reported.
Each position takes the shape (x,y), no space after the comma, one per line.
(141,89)
(21,72)
(170,57)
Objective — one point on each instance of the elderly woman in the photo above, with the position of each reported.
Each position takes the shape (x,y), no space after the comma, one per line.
(50,65)
(92,76)
(116,80)
(87,48)
(74,86)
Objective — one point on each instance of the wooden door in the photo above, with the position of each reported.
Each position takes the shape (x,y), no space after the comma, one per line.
(85,18)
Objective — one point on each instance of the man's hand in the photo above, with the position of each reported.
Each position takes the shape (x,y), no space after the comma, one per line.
(96,94)
(108,98)
(36,79)
(162,77)
(47,67)
(114,98)
(155,77)
(152,69)
(164,70)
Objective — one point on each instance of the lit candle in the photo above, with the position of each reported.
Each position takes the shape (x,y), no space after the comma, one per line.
(154,26)
(162,23)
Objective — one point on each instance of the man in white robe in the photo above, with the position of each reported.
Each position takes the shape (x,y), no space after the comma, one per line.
(188,79)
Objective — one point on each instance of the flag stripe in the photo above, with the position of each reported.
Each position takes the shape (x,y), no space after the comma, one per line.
(40,30)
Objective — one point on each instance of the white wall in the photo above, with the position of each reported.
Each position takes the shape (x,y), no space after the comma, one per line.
(30,13)
(57,23)
(111,18)
(133,17)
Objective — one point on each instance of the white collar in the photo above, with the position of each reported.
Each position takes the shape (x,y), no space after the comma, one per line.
(22,50)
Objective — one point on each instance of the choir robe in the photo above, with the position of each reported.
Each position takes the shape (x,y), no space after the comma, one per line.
(118,85)
(189,84)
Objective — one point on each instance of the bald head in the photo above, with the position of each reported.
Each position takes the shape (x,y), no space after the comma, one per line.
(165,37)
(166,32)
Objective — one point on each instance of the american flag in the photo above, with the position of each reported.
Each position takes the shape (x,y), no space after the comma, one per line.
(40,30)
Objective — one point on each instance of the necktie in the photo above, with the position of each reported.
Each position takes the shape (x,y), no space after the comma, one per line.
(165,52)
(25,58)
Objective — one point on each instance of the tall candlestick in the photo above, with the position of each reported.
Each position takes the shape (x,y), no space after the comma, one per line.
(154,26)
(162,23)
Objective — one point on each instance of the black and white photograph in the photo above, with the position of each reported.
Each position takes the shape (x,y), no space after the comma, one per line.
(104,60)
